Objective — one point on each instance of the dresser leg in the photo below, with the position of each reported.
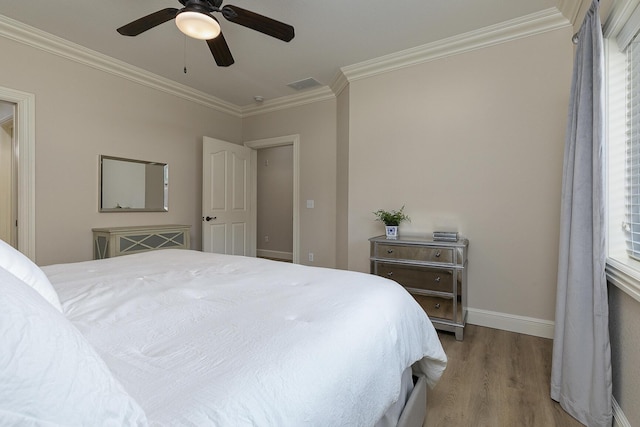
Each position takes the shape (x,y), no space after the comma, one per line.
(459,332)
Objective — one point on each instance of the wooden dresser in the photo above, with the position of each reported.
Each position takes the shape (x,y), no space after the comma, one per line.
(115,241)
(434,272)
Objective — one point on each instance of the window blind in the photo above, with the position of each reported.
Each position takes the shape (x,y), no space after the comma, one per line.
(632,150)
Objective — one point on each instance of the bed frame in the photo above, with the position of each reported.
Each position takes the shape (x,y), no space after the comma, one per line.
(415,410)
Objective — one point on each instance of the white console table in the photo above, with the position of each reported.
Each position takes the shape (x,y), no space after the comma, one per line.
(115,241)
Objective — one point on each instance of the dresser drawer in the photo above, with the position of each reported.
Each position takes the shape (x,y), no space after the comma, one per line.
(434,272)
(440,308)
(416,253)
(418,277)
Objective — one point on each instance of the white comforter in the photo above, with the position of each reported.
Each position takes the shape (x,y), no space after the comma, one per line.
(207,339)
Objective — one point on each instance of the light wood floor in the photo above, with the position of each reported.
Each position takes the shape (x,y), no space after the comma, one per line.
(495,378)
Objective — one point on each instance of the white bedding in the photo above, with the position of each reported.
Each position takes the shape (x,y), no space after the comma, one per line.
(207,339)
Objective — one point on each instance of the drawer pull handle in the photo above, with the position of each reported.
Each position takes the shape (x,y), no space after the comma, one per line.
(389,274)
(438,305)
(438,254)
(389,251)
(437,279)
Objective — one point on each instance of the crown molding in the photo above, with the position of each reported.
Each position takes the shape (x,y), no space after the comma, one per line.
(529,25)
(570,9)
(537,23)
(339,83)
(620,12)
(25,34)
(307,97)
(540,22)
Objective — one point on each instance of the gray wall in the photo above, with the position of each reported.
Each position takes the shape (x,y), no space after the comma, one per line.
(82,112)
(275,199)
(624,329)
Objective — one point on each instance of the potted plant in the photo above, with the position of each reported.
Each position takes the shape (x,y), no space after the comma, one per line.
(392,220)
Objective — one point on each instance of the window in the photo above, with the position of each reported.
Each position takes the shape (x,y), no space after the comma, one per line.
(631,225)
(623,150)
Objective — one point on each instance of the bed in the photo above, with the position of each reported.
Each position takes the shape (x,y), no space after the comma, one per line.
(180,337)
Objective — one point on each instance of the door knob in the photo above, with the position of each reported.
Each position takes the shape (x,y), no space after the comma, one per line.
(209,218)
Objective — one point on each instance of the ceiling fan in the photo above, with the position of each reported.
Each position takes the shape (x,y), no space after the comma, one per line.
(195,20)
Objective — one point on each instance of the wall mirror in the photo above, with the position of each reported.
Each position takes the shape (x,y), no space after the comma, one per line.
(128,185)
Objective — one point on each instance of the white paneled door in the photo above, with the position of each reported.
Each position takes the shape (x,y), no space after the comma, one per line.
(227,211)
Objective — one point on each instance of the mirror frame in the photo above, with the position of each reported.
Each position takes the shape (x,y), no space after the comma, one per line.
(165,183)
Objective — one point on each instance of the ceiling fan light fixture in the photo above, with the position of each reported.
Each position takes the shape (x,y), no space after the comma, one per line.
(198,25)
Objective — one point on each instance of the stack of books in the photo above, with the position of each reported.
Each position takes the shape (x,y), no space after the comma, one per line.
(446,236)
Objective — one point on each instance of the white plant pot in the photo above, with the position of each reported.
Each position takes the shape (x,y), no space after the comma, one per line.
(391,231)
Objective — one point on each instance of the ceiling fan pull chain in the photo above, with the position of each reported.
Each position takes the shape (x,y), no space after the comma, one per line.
(185,54)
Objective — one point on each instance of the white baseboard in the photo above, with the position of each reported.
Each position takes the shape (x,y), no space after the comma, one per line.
(511,322)
(619,419)
(274,254)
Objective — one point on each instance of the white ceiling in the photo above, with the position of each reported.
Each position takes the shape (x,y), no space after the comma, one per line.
(330,34)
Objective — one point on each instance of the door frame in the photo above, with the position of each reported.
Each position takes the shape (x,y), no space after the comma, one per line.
(24,129)
(279,141)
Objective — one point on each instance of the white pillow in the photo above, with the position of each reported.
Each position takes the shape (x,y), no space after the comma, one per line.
(24,269)
(49,374)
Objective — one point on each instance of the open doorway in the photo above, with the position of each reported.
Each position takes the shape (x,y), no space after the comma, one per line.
(8,175)
(290,216)
(24,143)
(274,231)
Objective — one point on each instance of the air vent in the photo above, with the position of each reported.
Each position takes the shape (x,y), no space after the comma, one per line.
(304,84)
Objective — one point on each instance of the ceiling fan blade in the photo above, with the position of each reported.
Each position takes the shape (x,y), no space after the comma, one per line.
(147,22)
(257,22)
(220,51)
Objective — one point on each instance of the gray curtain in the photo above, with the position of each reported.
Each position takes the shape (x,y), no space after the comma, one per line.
(581,369)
